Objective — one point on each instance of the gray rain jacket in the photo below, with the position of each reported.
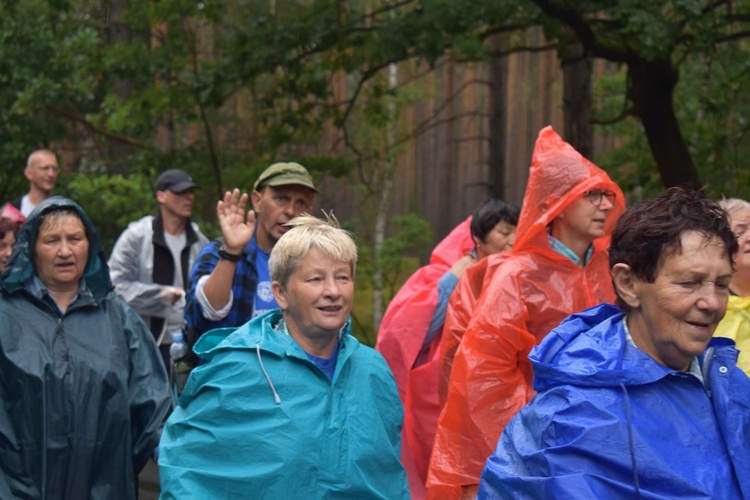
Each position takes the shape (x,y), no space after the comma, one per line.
(83,395)
(140,273)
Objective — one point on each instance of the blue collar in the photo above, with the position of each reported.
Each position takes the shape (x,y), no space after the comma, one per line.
(559,247)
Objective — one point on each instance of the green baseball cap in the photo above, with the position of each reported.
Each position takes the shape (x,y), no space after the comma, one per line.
(284,174)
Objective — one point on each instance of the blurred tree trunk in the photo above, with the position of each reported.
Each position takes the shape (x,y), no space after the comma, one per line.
(498,119)
(578,131)
(119,151)
(651,90)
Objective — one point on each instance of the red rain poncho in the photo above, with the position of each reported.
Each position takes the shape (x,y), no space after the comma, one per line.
(400,339)
(527,296)
(460,310)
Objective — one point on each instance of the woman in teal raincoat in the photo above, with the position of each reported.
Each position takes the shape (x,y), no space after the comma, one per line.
(290,405)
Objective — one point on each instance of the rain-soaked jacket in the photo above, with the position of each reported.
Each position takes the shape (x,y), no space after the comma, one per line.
(527,296)
(261,420)
(400,339)
(610,422)
(736,326)
(84,394)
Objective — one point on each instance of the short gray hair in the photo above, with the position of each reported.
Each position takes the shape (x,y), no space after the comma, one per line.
(733,205)
(308,232)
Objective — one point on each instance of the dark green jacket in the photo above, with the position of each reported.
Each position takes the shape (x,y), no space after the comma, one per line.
(83,394)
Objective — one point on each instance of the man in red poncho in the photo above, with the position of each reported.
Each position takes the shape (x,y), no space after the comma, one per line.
(558,266)
(409,336)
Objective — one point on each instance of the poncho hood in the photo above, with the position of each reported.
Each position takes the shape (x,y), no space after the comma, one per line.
(21,267)
(590,349)
(558,176)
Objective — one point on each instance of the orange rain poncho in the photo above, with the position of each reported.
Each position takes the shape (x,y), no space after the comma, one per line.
(400,340)
(459,313)
(528,295)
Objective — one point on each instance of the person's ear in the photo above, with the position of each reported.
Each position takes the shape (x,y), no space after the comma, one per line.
(27,173)
(625,283)
(477,241)
(255,198)
(279,294)
(161,197)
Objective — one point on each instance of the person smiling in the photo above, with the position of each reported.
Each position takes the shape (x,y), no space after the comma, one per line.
(558,265)
(736,322)
(638,401)
(230,283)
(290,405)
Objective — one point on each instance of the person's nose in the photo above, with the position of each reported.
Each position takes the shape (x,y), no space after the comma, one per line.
(712,300)
(606,204)
(65,249)
(511,240)
(332,288)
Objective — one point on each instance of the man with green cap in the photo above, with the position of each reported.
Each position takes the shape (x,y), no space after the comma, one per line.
(230,283)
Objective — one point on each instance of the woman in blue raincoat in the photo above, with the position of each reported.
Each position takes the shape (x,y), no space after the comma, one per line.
(290,405)
(83,392)
(639,401)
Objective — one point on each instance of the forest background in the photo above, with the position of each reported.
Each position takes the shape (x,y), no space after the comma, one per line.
(408,113)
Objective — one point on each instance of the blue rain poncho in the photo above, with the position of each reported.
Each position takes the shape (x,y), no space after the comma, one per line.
(610,422)
(261,420)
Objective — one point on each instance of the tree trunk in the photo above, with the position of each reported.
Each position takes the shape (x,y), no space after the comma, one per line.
(498,119)
(119,151)
(651,90)
(384,200)
(578,131)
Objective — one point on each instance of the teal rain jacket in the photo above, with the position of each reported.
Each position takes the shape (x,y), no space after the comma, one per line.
(84,394)
(610,422)
(261,420)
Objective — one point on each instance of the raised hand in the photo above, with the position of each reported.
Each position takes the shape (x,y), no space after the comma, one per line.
(237,228)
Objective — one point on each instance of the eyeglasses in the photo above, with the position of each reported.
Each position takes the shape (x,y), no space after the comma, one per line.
(597,195)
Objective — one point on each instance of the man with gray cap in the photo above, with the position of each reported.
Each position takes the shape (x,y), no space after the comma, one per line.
(152,258)
(230,283)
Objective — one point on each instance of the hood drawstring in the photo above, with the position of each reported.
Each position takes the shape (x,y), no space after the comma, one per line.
(630,442)
(276,397)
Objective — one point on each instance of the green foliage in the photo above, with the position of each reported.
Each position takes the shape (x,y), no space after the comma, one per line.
(411,235)
(112,202)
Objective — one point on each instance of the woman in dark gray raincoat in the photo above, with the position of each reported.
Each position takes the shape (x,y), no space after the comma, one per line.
(83,393)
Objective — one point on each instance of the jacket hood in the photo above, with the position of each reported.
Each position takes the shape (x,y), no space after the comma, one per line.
(590,349)
(20,266)
(558,176)
(454,246)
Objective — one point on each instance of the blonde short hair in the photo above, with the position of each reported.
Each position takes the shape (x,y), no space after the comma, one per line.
(308,232)
(733,205)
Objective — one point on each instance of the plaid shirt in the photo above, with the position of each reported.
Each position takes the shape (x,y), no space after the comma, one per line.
(243,289)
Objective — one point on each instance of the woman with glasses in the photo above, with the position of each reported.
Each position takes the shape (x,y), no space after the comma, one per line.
(558,266)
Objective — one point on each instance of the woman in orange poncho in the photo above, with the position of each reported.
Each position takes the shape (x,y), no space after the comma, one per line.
(409,336)
(558,266)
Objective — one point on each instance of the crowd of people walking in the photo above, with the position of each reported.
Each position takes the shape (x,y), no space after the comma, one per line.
(570,349)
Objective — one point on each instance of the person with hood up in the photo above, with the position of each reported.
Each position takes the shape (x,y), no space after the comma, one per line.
(558,266)
(736,322)
(638,401)
(290,405)
(409,337)
(83,391)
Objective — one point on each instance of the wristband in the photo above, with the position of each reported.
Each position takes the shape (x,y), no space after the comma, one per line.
(228,256)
